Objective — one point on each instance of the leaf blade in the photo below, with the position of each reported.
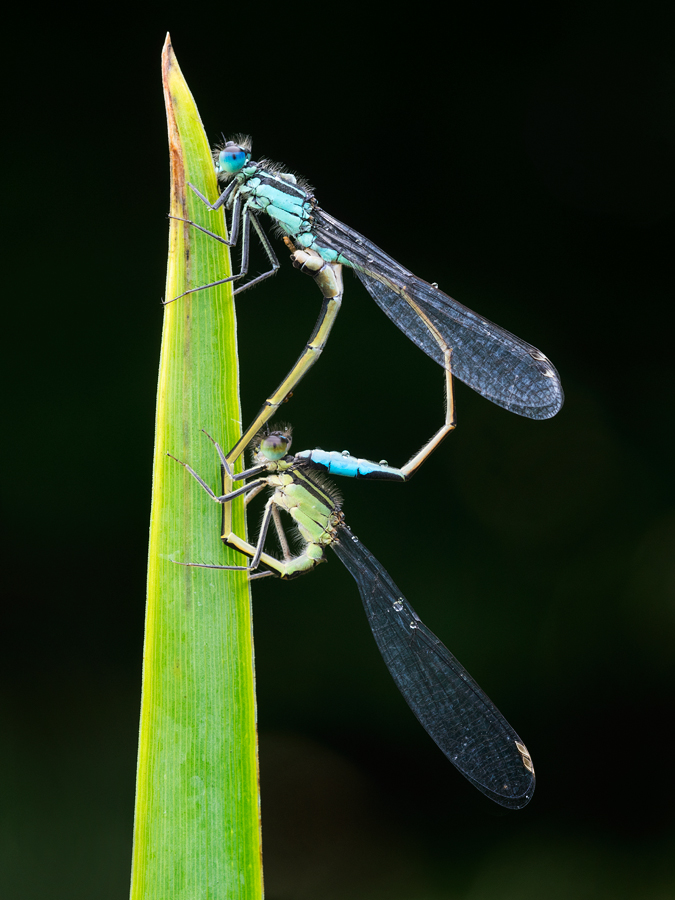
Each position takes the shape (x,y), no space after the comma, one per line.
(197,829)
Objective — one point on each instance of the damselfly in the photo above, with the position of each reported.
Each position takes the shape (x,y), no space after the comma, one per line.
(453,709)
(491,360)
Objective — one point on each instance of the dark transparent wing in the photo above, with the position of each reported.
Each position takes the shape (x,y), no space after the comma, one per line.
(455,712)
(491,360)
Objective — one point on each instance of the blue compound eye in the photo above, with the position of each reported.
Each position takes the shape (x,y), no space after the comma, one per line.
(231,158)
(275,445)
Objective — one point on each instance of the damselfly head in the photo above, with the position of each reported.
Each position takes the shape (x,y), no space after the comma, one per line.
(231,156)
(273,443)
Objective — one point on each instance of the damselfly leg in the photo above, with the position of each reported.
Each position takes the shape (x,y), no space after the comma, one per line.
(247,218)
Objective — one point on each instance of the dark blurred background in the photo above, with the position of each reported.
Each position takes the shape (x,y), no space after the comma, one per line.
(524,162)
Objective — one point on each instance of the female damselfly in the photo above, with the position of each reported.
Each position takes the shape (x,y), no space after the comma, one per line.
(453,709)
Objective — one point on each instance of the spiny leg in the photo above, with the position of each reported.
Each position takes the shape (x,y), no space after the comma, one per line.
(248,473)
(264,240)
(246,216)
(253,488)
(209,566)
(220,201)
(232,540)
(264,526)
(226,497)
(257,550)
(228,477)
(249,217)
(234,234)
(248,550)
(271,255)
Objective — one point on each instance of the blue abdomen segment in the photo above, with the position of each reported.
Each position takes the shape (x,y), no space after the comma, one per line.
(335,463)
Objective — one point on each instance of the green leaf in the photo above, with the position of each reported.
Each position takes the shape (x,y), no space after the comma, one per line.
(197,827)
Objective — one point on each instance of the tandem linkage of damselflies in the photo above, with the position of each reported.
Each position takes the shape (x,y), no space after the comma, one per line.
(449,704)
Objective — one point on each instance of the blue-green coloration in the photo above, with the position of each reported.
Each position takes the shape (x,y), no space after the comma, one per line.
(453,709)
(231,159)
(498,365)
(335,463)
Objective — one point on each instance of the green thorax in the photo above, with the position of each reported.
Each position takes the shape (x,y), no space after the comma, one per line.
(312,502)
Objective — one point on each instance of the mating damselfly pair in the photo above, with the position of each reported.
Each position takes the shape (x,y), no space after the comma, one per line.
(452,708)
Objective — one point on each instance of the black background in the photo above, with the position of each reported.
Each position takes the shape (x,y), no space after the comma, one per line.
(524,162)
